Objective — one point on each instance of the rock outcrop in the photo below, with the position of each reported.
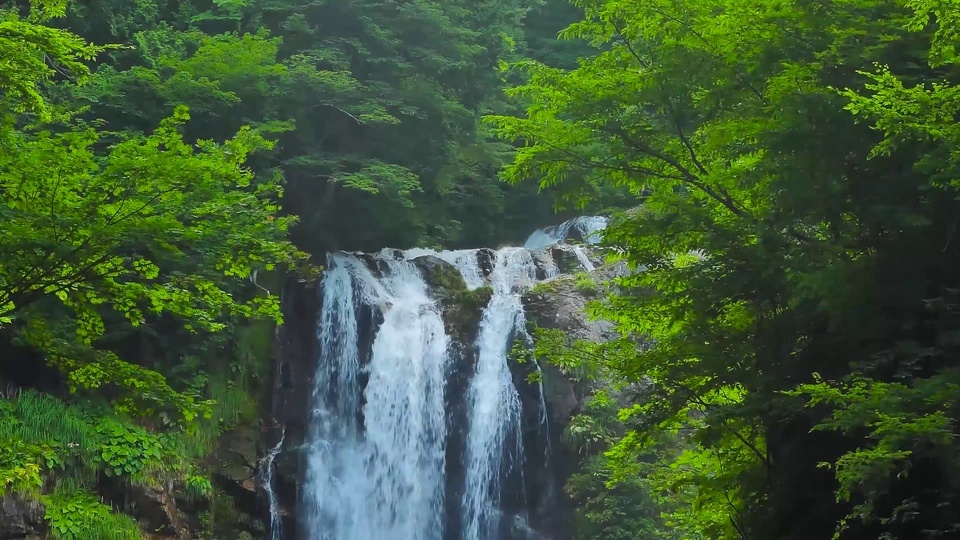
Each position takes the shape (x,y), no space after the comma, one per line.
(20,520)
(294,366)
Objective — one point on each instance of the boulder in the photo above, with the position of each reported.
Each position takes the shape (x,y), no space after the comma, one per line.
(561,304)
(485,260)
(462,312)
(442,278)
(565,257)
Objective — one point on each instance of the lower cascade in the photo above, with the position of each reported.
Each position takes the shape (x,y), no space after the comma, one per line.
(418,431)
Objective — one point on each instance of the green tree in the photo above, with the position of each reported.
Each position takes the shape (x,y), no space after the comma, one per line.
(606,509)
(780,236)
(31,53)
(154,226)
(376,106)
(116,234)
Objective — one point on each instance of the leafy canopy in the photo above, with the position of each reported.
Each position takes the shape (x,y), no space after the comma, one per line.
(795,170)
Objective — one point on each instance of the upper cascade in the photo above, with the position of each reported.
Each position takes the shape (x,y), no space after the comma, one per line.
(418,432)
(587,228)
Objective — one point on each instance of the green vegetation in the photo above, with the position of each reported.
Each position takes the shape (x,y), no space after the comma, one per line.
(796,317)
(75,515)
(463,309)
(790,168)
(585,283)
(473,300)
(608,510)
(123,265)
(46,441)
(375,106)
(158,163)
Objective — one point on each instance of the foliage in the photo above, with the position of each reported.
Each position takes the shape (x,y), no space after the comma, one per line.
(610,508)
(473,301)
(123,253)
(376,106)
(31,53)
(796,166)
(585,283)
(125,449)
(75,515)
(905,424)
(50,443)
(120,233)
(48,437)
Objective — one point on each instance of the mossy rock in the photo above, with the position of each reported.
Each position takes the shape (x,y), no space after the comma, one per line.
(443,278)
(474,300)
(586,284)
(462,311)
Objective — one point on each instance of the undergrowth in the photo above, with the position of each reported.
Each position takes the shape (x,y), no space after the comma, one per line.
(52,452)
(75,514)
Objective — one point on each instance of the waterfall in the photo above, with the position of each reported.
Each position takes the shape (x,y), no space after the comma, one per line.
(334,491)
(377,462)
(265,478)
(544,418)
(493,400)
(383,479)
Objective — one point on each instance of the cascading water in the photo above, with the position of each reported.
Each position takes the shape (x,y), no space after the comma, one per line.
(265,477)
(383,479)
(589,228)
(493,400)
(377,465)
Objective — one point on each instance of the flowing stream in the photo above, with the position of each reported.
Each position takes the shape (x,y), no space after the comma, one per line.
(384,447)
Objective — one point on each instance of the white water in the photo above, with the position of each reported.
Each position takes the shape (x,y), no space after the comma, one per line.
(266,482)
(377,466)
(493,400)
(589,227)
(385,481)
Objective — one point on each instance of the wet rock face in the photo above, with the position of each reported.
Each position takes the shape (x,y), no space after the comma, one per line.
(485,259)
(294,356)
(566,259)
(294,369)
(461,307)
(156,509)
(235,473)
(20,520)
(462,312)
(563,396)
(561,304)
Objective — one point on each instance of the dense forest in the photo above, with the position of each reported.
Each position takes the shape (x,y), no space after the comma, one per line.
(782,177)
